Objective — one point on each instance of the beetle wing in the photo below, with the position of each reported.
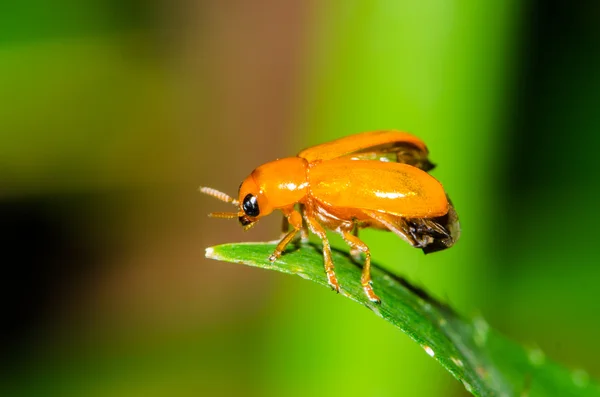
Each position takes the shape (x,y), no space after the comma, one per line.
(390,145)
(392,188)
(431,235)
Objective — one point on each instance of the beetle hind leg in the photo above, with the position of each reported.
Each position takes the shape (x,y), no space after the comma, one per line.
(365,279)
(430,234)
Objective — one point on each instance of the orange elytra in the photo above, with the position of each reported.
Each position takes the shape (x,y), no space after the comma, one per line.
(375,179)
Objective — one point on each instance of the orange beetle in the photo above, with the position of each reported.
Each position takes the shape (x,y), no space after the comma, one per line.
(375,179)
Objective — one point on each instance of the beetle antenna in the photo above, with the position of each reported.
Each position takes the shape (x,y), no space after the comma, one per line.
(225,215)
(218,195)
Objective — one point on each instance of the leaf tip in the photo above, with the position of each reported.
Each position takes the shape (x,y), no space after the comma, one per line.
(209,253)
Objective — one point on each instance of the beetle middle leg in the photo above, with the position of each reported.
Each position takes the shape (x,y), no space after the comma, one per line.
(354,251)
(357,244)
(304,230)
(317,229)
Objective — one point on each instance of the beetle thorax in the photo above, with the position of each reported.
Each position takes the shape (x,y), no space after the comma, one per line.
(282,182)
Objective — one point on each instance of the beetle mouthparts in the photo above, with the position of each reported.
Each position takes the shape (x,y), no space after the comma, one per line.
(246,222)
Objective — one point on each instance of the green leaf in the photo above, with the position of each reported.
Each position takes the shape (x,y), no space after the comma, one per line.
(484,361)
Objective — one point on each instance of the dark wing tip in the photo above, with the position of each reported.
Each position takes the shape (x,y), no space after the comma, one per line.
(436,234)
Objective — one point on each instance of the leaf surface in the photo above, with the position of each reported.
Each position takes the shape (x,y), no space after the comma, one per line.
(485,362)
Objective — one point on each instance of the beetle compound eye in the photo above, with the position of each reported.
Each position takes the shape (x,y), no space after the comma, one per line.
(250,205)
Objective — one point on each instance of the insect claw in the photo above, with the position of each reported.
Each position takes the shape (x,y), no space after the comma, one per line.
(332,281)
(370,293)
(274,256)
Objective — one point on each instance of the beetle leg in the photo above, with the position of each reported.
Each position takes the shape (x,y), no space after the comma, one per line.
(282,244)
(304,230)
(285,226)
(317,229)
(430,235)
(354,251)
(304,233)
(365,279)
(394,224)
(295,219)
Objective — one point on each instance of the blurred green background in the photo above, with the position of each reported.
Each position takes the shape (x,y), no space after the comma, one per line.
(113,112)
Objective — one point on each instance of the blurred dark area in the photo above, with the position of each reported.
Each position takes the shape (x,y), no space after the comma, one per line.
(113,113)
(47,238)
(549,186)
(554,120)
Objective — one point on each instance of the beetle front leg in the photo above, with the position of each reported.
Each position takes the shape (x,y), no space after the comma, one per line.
(328,262)
(285,227)
(295,219)
(357,244)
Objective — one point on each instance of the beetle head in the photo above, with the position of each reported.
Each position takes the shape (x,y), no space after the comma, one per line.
(253,203)
(278,184)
